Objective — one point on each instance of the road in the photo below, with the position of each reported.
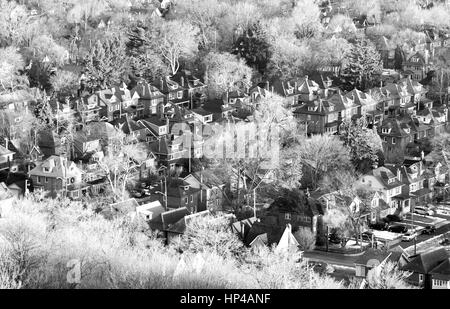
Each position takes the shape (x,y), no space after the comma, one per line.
(331,258)
(442,230)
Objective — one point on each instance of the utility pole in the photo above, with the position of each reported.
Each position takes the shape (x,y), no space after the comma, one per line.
(254,202)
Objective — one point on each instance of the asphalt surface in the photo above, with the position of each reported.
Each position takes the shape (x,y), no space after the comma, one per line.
(442,230)
(331,258)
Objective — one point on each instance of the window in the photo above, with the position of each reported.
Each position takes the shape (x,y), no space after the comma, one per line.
(46,179)
(385,139)
(385,130)
(287,216)
(46,170)
(420,277)
(186,200)
(39,180)
(394,140)
(180,94)
(192,198)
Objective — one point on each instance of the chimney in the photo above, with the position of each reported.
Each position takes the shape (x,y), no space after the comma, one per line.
(182,81)
(399,174)
(422,155)
(6,142)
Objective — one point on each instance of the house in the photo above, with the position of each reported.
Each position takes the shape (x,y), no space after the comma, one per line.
(56,175)
(150,210)
(117,101)
(149,96)
(369,107)
(425,267)
(88,108)
(173,91)
(196,89)
(396,135)
(387,51)
(6,156)
(388,184)
(374,258)
(202,115)
(211,194)
(296,90)
(441,275)
(298,211)
(321,116)
(181,194)
(418,64)
(158,127)
(178,228)
(164,220)
(135,131)
(121,209)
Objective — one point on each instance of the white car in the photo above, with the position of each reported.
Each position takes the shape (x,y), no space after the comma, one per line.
(423,211)
(408,236)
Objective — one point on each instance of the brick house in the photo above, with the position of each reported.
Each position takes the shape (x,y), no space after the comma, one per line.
(211,195)
(88,108)
(54,175)
(174,92)
(196,89)
(148,96)
(418,64)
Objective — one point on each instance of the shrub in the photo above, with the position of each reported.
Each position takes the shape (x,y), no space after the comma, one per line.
(306,239)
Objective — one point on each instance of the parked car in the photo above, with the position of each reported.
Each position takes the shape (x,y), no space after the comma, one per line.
(393,218)
(429,230)
(445,242)
(335,239)
(136,193)
(398,229)
(423,211)
(380,226)
(408,236)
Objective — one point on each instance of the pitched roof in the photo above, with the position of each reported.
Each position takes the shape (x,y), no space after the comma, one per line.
(287,241)
(425,262)
(442,271)
(59,167)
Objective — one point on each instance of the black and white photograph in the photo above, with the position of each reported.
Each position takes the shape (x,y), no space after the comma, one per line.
(222,151)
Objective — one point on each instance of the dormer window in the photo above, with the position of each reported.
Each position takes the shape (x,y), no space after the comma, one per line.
(46,170)
(385,130)
(186,188)
(311,108)
(331,108)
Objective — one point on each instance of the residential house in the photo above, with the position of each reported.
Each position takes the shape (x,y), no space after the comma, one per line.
(149,96)
(388,184)
(150,210)
(297,90)
(298,211)
(369,107)
(202,115)
(174,92)
(414,187)
(6,156)
(88,108)
(396,135)
(118,101)
(56,175)
(135,131)
(418,64)
(441,275)
(196,89)
(158,127)
(373,258)
(121,209)
(387,51)
(428,268)
(211,194)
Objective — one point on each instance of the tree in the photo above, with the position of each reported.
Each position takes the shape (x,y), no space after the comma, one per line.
(364,64)
(13,23)
(11,64)
(206,15)
(106,64)
(442,67)
(65,83)
(364,143)
(252,46)
(387,276)
(174,41)
(44,47)
(289,58)
(120,162)
(323,154)
(349,206)
(224,73)
(306,239)
(306,17)
(85,9)
(210,234)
